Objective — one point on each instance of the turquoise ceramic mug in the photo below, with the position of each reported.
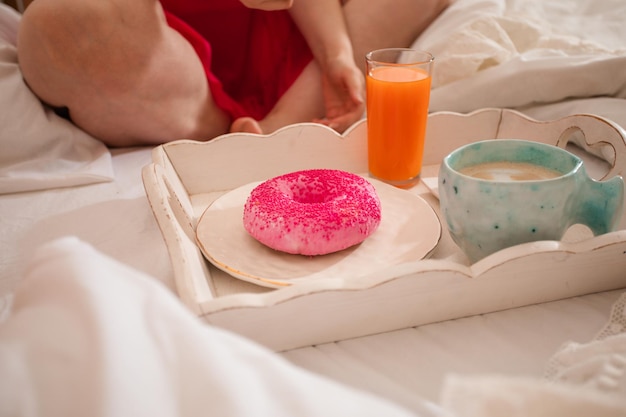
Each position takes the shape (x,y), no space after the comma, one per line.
(503,192)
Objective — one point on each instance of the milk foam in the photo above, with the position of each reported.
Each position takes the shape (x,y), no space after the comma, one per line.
(510,171)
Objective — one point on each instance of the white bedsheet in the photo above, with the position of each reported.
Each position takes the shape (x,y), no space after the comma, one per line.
(485,58)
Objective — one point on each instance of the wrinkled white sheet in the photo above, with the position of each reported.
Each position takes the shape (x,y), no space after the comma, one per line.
(514,53)
(113,216)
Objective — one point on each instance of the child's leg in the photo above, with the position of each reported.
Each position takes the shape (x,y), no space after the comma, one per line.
(126,76)
(301,103)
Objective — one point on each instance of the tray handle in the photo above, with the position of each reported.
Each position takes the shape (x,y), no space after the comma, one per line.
(600,136)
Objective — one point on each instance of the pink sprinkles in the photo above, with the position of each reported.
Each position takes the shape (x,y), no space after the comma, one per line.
(312,212)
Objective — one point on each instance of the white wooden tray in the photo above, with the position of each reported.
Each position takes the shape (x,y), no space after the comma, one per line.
(186,176)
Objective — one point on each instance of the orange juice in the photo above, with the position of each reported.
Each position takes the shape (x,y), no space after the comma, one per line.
(397,111)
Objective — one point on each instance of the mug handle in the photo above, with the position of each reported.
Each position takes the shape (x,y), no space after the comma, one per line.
(601,203)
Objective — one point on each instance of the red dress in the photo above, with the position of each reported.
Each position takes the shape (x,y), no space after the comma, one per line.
(251,57)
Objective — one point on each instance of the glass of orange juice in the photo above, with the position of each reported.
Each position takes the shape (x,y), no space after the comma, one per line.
(398,92)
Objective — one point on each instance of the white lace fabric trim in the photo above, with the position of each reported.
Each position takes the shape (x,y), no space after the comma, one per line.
(600,364)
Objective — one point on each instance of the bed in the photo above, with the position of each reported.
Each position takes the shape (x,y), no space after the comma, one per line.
(91,317)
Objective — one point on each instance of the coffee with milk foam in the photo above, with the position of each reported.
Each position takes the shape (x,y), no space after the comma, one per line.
(509,171)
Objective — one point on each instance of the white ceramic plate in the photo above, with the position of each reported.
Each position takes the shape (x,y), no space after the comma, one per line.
(409,230)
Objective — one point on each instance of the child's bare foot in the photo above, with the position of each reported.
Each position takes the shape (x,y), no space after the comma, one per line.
(247,125)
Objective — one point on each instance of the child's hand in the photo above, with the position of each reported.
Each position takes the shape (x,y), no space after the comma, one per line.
(344,94)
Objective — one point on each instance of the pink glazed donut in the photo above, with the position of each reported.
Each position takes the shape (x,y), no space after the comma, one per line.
(312,212)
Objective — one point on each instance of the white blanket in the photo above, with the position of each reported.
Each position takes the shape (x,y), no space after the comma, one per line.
(89,336)
(514,53)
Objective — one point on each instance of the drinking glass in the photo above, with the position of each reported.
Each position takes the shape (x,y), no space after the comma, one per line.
(398,82)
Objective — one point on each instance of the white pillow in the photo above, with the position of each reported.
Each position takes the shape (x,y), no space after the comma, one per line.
(38,149)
